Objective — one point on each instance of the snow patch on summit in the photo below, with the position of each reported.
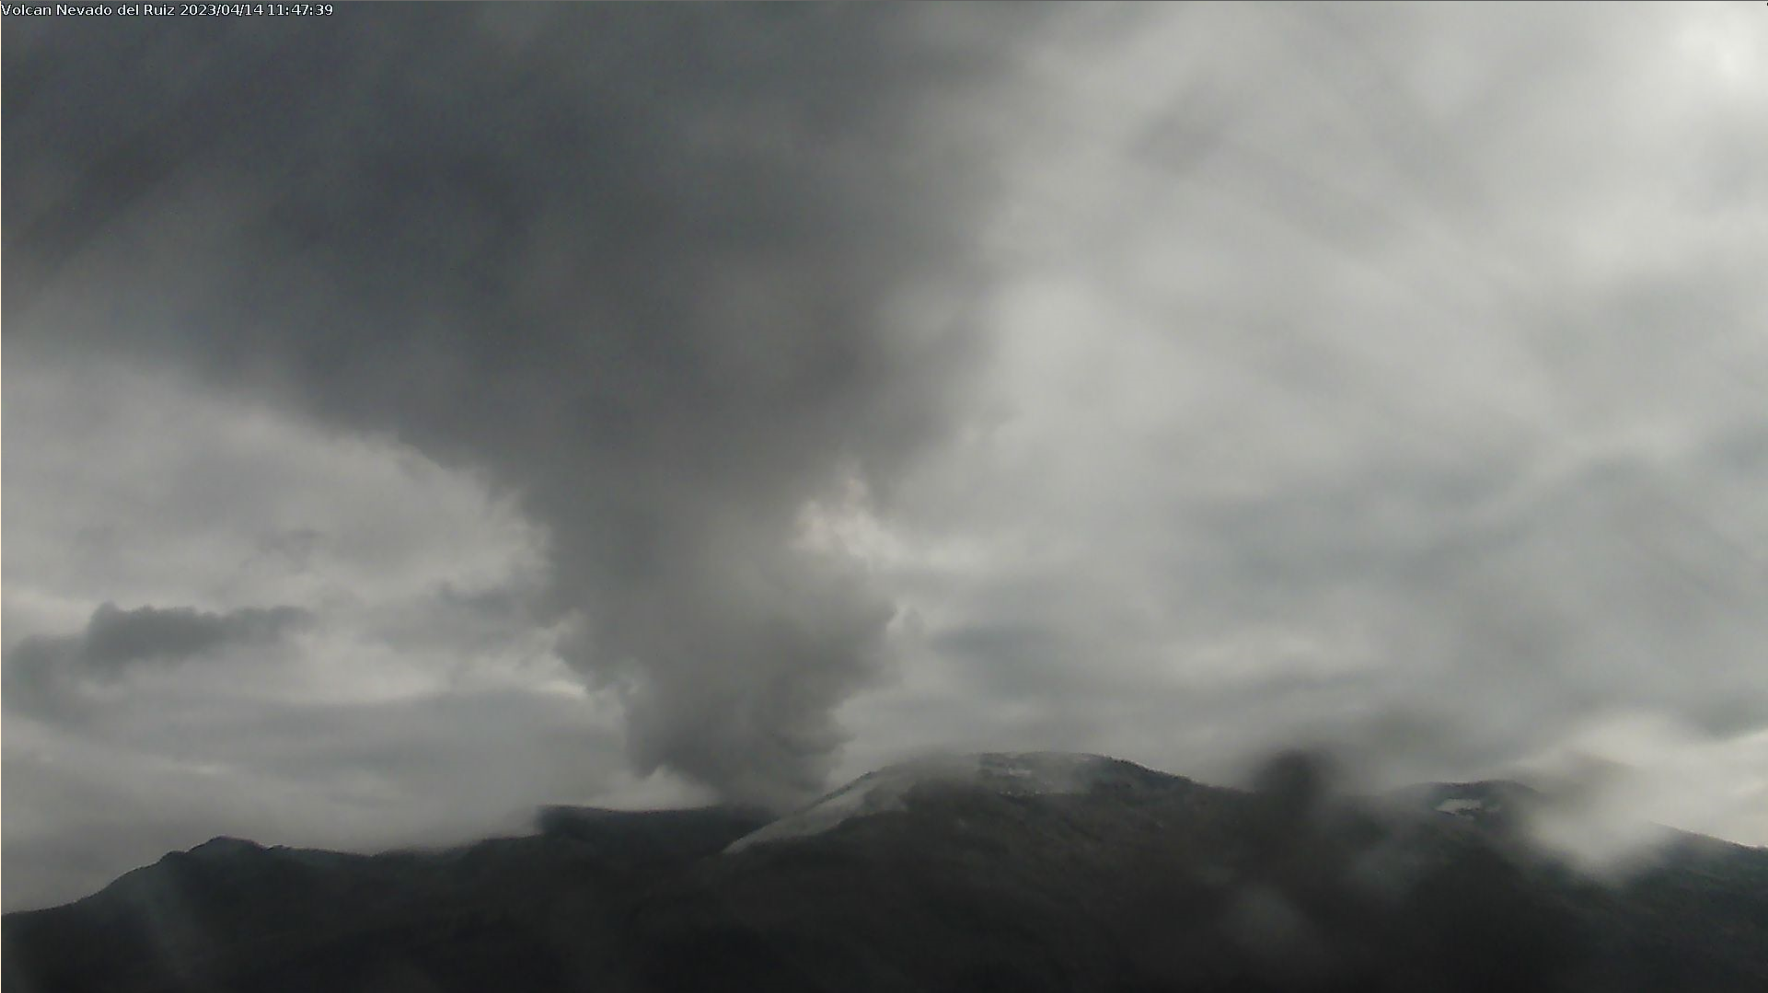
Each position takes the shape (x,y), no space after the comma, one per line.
(1460,806)
(1021,774)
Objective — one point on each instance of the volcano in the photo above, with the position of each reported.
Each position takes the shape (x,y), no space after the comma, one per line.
(1023,872)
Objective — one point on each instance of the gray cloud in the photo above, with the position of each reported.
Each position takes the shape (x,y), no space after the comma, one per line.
(665,274)
(1401,389)
(116,638)
(46,673)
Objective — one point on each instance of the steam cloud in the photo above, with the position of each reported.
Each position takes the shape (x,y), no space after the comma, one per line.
(666,275)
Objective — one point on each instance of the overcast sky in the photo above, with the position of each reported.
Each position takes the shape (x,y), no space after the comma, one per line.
(428,413)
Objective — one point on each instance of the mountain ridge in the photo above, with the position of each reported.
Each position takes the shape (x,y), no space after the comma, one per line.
(1024,871)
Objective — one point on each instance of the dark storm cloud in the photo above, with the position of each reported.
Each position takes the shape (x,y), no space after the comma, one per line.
(665,273)
(44,673)
(116,637)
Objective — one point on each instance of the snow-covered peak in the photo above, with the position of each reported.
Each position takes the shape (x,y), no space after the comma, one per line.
(1462,806)
(1008,773)
(1489,801)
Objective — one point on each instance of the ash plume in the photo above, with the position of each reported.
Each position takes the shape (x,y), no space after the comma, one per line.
(665,274)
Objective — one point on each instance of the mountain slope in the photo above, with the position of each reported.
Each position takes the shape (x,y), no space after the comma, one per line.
(998,872)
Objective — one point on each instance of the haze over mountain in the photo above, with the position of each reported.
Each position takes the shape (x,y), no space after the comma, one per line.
(426,412)
(1021,872)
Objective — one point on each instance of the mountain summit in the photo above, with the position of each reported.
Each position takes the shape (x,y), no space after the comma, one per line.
(1024,872)
(1003,773)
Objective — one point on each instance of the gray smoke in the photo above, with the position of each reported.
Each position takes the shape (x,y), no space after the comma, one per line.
(665,274)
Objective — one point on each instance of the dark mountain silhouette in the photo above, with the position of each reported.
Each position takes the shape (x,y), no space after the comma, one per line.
(1044,872)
